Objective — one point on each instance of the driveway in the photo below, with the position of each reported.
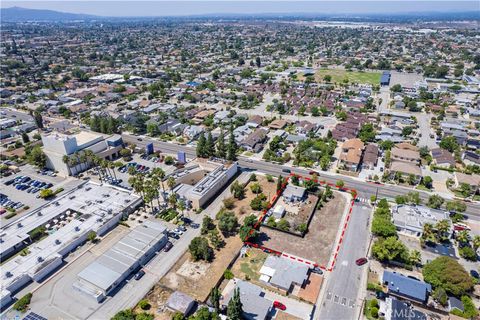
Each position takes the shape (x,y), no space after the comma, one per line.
(296,308)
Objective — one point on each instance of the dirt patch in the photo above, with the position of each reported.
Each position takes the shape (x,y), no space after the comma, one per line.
(197,278)
(248,266)
(158,297)
(317,245)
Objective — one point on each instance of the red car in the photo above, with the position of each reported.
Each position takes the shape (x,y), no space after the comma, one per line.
(361,261)
(279,305)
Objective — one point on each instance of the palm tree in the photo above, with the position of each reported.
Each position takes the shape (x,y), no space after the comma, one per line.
(428,234)
(172,199)
(443,227)
(72,163)
(476,242)
(463,237)
(111,165)
(83,160)
(171,182)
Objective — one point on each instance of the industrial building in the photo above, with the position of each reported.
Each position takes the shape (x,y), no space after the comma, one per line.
(57,145)
(103,275)
(64,224)
(201,180)
(410,219)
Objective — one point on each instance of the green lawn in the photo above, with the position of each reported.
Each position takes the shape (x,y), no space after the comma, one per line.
(339,76)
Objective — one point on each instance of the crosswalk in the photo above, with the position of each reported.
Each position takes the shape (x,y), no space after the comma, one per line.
(362,200)
(343,301)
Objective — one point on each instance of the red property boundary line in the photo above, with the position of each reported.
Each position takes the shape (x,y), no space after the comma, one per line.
(279,253)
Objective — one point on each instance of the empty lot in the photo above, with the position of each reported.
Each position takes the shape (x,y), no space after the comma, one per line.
(318,243)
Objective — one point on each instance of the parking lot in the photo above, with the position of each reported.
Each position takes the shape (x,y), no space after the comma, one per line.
(21,190)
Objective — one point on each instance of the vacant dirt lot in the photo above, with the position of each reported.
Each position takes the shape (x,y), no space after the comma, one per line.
(197,278)
(318,243)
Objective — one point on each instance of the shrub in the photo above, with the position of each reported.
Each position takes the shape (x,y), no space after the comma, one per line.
(447,273)
(302,228)
(374,312)
(468,253)
(200,250)
(144,304)
(23,303)
(229,203)
(228,274)
(283,225)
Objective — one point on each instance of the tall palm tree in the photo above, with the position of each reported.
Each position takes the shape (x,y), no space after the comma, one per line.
(172,199)
(415,257)
(111,165)
(476,242)
(443,228)
(171,182)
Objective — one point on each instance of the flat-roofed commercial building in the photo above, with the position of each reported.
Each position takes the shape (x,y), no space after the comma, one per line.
(201,180)
(410,219)
(103,275)
(65,223)
(56,146)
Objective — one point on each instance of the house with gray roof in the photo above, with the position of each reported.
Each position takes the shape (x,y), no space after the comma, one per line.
(405,287)
(254,305)
(284,273)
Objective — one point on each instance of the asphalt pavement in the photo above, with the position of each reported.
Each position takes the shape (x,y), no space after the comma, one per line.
(342,295)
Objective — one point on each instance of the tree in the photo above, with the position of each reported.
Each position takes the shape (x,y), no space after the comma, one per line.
(92,236)
(468,253)
(247,230)
(201,146)
(340,184)
(127,314)
(215,298)
(227,222)
(415,258)
(234,308)
(37,117)
(435,201)
(221,147)
(383,227)
(465,189)
(259,203)
(283,225)
(427,182)
(144,304)
(443,228)
(256,188)
(463,237)
(209,145)
(476,242)
(237,190)
(23,303)
(215,239)
(279,183)
(396,88)
(200,249)
(441,296)
(25,137)
(456,206)
(390,249)
(428,233)
(449,143)
(37,157)
(448,274)
(207,225)
(232,146)
(171,182)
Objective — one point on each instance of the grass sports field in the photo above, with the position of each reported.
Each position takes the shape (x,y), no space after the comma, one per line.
(339,76)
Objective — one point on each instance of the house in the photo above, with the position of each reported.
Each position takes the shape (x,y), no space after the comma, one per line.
(283,273)
(404,287)
(394,309)
(278,212)
(471,158)
(370,157)
(406,169)
(351,155)
(405,155)
(254,141)
(443,158)
(294,193)
(455,303)
(254,121)
(172,126)
(193,131)
(277,124)
(254,304)
(473,180)
(180,302)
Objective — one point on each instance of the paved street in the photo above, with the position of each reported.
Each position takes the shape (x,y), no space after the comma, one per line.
(342,297)
(366,189)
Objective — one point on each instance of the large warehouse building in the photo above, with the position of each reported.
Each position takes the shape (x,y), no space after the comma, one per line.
(63,225)
(134,250)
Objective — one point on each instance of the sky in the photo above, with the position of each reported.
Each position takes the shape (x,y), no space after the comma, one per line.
(198,7)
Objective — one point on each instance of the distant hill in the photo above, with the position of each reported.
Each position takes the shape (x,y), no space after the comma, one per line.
(17,14)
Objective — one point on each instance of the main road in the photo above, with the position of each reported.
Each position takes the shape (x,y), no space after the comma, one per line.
(364,189)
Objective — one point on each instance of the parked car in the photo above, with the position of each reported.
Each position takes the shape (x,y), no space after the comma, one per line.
(279,305)
(361,261)
(286,170)
(474,273)
(168,246)
(139,275)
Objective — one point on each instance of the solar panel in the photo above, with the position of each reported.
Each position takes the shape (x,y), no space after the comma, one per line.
(34,316)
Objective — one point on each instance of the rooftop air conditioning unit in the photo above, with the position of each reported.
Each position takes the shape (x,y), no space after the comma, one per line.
(39,259)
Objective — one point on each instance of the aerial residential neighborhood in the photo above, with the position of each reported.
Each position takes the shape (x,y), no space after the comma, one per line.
(213,160)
